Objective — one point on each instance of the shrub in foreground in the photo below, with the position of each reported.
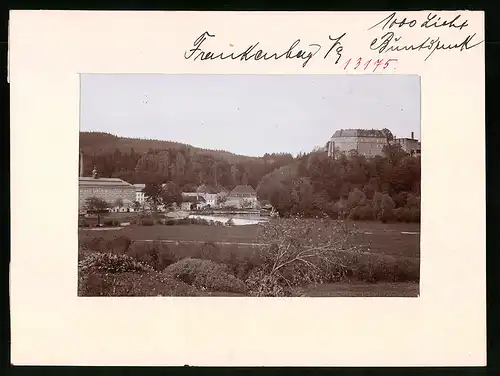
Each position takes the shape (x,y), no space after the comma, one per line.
(239,263)
(383,268)
(147,221)
(261,283)
(205,274)
(157,255)
(111,263)
(111,223)
(132,284)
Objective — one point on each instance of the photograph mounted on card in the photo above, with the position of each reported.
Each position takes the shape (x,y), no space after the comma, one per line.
(249,185)
(226,180)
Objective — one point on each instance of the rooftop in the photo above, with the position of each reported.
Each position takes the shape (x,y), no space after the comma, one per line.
(139,187)
(204,189)
(88,181)
(375,133)
(193,199)
(406,138)
(243,189)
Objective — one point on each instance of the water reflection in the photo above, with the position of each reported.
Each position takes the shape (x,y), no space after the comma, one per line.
(237,220)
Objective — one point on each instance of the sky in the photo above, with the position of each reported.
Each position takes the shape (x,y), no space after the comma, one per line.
(248,114)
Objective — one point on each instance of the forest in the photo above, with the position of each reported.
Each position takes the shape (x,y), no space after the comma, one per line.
(312,184)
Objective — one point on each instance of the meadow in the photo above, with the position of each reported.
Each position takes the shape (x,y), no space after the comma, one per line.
(203,260)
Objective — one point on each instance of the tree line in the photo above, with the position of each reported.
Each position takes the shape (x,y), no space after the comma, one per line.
(351,186)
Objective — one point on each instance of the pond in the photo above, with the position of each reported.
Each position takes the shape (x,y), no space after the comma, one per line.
(238,220)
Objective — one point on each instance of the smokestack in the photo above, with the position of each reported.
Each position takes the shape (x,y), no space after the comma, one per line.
(81,164)
(412,135)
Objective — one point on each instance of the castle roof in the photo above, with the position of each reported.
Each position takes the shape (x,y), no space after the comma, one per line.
(374,133)
(103,182)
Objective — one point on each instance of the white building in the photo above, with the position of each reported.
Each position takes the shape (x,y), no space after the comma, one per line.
(139,194)
(207,194)
(210,199)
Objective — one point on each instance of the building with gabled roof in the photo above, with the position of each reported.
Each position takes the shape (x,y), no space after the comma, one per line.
(192,202)
(108,189)
(245,191)
(204,189)
(242,196)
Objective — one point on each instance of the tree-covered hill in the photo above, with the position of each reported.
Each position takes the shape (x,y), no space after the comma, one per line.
(98,143)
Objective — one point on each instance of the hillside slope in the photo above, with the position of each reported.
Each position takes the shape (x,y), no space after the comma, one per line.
(98,143)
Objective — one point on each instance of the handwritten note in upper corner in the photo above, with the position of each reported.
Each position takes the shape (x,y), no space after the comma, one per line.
(387,39)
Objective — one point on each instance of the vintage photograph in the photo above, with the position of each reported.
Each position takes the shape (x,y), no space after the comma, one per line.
(249,185)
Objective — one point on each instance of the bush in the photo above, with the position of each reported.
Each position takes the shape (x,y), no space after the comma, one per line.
(96,244)
(407,214)
(147,221)
(415,214)
(238,263)
(82,222)
(261,284)
(242,268)
(205,274)
(111,222)
(157,255)
(111,263)
(361,213)
(383,268)
(187,221)
(386,215)
(83,253)
(132,284)
(120,244)
(210,251)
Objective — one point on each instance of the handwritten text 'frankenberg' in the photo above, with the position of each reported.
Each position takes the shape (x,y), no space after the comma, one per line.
(388,42)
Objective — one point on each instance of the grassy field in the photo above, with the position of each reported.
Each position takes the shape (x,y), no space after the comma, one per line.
(239,247)
(373,237)
(400,289)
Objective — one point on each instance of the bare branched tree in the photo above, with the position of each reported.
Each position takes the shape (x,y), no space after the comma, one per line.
(306,250)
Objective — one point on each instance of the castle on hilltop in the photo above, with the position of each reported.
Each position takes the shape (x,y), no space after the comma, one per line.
(368,142)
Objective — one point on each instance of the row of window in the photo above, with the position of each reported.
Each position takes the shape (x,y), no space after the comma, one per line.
(105,191)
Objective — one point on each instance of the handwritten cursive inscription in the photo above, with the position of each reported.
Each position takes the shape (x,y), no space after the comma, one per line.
(390,42)
(338,47)
(203,50)
(252,52)
(433,20)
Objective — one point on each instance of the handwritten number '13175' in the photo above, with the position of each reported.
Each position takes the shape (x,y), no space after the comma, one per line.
(364,64)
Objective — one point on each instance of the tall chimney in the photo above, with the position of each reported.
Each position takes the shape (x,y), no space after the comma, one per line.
(412,135)
(81,164)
